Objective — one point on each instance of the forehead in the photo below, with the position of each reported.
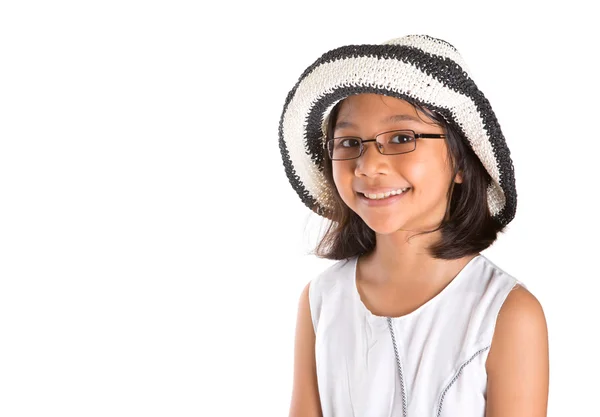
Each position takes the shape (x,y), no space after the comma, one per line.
(367,107)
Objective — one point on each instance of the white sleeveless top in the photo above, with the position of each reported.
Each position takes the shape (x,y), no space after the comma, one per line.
(430,362)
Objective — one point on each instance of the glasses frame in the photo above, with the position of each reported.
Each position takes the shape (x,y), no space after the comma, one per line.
(380,148)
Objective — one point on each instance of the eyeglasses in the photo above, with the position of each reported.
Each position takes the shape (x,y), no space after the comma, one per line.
(393,142)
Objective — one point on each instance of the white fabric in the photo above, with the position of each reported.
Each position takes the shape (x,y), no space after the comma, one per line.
(442,346)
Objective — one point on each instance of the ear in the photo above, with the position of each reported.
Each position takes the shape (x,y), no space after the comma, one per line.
(458,179)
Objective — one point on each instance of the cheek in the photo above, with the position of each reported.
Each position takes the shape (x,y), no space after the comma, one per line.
(337,177)
(417,173)
(335,171)
(427,178)
(342,177)
(429,167)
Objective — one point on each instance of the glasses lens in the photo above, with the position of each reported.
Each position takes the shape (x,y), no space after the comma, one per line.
(395,142)
(344,148)
(399,141)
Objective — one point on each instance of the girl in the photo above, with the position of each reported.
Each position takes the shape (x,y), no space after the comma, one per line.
(400,150)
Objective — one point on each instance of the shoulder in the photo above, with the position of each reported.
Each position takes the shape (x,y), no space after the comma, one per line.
(517,363)
(521,316)
(329,278)
(515,314)
(326,286)
(521,321)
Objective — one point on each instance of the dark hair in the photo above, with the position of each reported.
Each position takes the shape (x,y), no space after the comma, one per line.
(467,227)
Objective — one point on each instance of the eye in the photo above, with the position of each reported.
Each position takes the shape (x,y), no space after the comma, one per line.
(402,138)
(349,142)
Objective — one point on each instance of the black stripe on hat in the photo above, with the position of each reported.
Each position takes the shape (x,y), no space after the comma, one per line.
(294,179)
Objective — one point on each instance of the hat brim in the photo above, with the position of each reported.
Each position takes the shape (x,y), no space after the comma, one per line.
(399,71)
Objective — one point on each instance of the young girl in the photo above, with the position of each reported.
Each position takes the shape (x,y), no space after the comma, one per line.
(400,150)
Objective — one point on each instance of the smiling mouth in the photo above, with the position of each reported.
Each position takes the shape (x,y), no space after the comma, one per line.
(383,196)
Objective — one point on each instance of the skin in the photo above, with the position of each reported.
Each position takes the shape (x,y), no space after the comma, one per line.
(399,275)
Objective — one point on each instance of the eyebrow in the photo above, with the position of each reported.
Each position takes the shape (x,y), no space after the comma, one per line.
(392,119)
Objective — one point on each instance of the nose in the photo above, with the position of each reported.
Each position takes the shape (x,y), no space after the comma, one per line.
(371,160)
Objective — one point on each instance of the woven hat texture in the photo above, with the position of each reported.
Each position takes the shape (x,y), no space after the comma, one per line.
(417,68)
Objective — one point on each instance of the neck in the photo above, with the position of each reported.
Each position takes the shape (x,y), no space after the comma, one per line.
(398,260)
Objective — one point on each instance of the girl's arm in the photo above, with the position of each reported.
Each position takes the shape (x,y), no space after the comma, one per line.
(518,360)
(305,394)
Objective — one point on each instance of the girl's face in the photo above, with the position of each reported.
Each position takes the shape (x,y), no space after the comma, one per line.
(425,170)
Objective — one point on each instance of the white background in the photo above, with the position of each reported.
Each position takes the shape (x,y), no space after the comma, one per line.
(152,251)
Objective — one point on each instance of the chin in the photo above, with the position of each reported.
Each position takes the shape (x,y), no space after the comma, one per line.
(385,227)
(391,223)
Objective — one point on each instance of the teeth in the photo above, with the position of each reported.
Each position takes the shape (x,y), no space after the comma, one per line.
(385,195)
